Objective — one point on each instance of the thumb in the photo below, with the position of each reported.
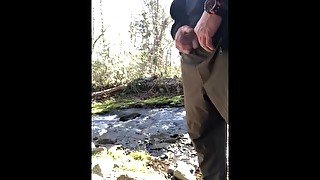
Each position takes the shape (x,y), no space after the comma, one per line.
(195,43)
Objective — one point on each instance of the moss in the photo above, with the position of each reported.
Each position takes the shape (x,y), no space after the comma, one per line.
(140,156)
(116,154)
(123,103)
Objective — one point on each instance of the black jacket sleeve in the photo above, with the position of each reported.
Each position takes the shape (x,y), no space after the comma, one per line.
(179,15)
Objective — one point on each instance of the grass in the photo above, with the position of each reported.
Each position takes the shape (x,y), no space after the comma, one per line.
(135,161)
(123,103)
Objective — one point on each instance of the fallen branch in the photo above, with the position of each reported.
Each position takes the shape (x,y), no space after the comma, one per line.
(108,91)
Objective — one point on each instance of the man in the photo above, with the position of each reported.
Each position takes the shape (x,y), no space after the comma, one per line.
(200,32)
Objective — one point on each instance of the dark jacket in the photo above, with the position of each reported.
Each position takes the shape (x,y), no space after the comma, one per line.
(188,12)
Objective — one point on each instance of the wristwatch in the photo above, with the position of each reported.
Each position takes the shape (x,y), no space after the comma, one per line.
(213,7)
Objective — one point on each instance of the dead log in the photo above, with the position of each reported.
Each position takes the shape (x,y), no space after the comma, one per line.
(108,92)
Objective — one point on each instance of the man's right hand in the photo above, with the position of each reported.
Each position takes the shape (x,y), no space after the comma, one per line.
(186,39)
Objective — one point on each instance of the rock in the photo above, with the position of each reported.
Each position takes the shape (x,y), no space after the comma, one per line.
(105,141)
(184,171)
(171,169)
(163,156)
(193,155)
(170,140)
(95,138)
(97,151)
(124,177)
(97,170)
(119,147)
(187,141)
(126,151)
(130,116)
(174,135)
(175,124)
(102,166)
(160,146)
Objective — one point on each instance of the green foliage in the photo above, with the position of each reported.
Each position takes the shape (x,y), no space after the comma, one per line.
(100,75)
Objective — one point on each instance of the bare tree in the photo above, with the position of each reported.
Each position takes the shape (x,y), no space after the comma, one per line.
(150,27)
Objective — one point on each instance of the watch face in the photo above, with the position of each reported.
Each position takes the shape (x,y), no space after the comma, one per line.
(210,4)
(213,6)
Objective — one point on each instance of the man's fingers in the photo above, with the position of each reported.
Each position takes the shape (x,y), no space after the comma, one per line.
(186,51)
(186,40)
(206,43)
(203,43)
(195,43)
(184,48)
(209,43)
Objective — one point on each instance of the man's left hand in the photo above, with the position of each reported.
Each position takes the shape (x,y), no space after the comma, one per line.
(205,29)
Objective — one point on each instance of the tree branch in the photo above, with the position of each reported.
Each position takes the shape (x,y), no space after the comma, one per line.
(95,41)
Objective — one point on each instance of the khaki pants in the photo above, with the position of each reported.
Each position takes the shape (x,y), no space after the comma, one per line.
(205,84)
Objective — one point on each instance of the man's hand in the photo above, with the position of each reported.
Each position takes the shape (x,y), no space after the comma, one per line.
(205,29)
(186,39)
